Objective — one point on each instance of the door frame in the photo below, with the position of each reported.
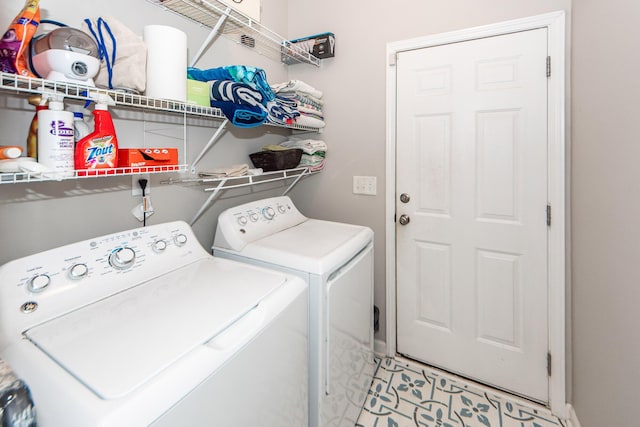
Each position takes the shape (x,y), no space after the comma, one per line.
(556,175)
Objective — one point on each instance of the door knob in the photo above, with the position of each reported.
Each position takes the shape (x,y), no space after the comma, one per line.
(404,198)
(404,220)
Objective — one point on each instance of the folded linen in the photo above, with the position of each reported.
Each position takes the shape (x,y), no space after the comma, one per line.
(235,170)
(297,86)
(255,77)
(308,146)
(305,120)
(239,102)
(244,116)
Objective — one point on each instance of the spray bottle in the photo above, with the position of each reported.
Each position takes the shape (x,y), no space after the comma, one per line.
(55,137)
(98,150)
(80,126)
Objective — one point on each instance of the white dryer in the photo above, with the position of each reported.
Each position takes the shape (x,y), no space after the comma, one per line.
(336,260)
(145,327)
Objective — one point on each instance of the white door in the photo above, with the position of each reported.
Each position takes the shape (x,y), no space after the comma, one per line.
(472,159)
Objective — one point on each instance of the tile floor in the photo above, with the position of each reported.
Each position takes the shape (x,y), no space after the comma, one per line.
(406,394)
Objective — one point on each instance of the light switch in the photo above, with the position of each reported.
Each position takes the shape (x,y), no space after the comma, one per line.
(364,185)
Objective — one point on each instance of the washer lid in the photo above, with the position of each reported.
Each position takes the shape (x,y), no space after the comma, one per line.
(314,246)
(117,344)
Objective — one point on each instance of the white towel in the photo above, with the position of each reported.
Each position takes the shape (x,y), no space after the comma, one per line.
(297,86)
(235,170)
(309,146)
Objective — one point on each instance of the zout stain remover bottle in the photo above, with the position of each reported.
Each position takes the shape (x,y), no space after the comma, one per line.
(97,153)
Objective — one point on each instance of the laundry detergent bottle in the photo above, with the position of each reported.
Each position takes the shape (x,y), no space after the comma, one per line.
(55,138)
(98,151)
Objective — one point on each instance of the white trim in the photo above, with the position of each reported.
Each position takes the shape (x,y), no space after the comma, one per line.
(555,23)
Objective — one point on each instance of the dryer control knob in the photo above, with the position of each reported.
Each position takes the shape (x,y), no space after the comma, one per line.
(282,209)
(78,271)
(39,282)
(159,246)
(254,217)
(122,258)
(180,239)
(242,220)
(268,212)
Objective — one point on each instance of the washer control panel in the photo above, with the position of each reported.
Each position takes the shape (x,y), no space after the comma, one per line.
(251,221)
(68,277)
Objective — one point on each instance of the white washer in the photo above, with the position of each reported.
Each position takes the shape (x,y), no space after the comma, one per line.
(144,327)
(336,260)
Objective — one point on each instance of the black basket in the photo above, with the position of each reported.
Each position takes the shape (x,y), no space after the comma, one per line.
(276,160)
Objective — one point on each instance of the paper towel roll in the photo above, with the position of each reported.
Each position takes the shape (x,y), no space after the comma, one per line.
(166,62)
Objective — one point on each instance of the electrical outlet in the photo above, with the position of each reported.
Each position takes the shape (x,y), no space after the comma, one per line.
(135,185)
(364,185)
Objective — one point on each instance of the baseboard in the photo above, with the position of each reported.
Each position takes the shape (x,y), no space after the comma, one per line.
(573,418)
(380,348)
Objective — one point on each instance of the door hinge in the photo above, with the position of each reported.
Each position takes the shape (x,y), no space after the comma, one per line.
(548,66)
(548,215)
(392,59)
(549,364)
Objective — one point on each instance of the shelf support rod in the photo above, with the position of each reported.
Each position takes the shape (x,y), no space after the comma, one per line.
(216,192)
(212,141)
(298,178)
(214,32)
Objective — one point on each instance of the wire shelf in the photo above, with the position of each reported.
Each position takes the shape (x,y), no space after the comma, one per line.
(239,28)
(27,177)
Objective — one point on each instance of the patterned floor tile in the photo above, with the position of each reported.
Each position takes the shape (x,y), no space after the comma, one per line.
(411,395)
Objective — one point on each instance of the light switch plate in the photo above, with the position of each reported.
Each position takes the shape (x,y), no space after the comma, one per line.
(364,185)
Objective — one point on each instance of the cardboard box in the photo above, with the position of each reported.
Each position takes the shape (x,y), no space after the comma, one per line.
(198,93)
(320,45)
(166,158)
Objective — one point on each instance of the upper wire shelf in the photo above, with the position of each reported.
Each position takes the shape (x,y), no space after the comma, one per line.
(239,28)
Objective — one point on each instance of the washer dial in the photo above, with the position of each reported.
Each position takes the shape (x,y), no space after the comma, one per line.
(38,282)
(122,258)
(78,271)
(180,239)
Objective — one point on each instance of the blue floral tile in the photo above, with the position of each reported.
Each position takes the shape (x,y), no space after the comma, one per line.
(411,395)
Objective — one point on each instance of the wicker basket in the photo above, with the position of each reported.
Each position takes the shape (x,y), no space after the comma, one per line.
(276,160)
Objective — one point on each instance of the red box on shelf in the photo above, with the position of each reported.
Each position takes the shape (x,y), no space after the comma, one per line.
(165,158)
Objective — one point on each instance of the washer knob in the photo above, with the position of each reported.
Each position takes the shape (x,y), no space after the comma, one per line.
(254,217)
(282,209)
(39,282)
(78,271)
(122,258)
(180,239)
(159,246)
(242,220)
(268,212)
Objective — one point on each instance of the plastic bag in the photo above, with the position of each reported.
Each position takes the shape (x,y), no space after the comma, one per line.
(16,40)
(123,55)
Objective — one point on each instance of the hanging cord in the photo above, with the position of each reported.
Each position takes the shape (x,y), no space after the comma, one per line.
(102,47)
(143,186)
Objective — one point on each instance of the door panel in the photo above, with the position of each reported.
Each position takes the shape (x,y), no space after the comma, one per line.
(472,263)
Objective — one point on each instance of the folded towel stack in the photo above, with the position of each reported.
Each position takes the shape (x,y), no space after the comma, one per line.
(314,152)
(235,170)
(307,100)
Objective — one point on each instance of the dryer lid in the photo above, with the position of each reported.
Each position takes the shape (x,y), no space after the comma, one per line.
(313,246)
(119,343)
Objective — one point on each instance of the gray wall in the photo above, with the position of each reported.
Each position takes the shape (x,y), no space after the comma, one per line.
(605,215)
(604,172)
